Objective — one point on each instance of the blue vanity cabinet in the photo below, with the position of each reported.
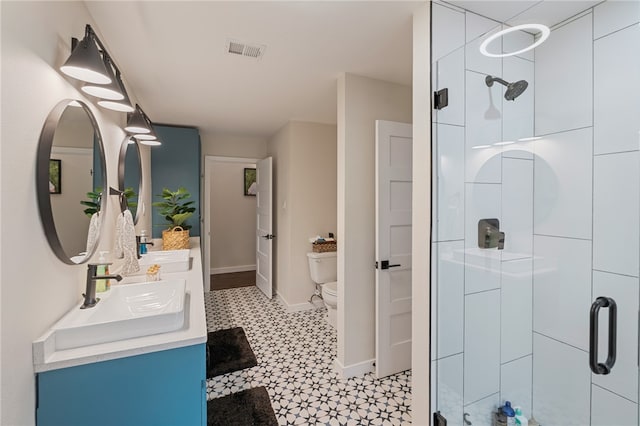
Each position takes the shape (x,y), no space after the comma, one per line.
(159,388)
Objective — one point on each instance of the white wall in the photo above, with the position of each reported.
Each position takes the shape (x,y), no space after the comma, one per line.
(421,209)
(312,199)
(37,288)
(305,201)
(279,147)
(361,101)
(230,145)
(233,220)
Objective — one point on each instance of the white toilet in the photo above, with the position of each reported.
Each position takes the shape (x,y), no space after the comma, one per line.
(323,268)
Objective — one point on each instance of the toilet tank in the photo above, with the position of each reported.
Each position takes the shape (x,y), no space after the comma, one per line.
(323,267)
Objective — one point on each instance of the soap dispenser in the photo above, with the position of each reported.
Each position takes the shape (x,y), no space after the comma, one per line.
(520,419)
(143,240)
(510,413)
(102,269)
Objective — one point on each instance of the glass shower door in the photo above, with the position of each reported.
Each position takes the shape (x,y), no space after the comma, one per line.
(536,207)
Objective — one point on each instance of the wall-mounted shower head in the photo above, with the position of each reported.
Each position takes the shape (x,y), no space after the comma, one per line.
(513,89)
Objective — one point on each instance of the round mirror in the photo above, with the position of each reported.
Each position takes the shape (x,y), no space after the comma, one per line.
(70,177)
(130,176)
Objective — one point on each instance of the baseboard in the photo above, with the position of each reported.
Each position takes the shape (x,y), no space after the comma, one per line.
(230,269)
(354,370)
(296,307)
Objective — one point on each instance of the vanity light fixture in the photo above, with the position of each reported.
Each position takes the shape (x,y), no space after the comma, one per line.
(111,91)
(85,62)
(544,34)
(90,62)
(122,105)
(150,143)
(141,128)
(137,123)
(146,137)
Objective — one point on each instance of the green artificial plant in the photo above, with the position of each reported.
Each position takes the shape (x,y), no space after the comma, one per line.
(174,209)
(93,205)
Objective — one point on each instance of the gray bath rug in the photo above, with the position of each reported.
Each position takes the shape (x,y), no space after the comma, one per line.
(244,408)
(227,351)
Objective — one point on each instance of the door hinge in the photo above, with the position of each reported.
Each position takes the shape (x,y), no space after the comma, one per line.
(441,98)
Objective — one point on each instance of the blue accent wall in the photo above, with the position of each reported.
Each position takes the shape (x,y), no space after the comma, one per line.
(174,164)
(160,388)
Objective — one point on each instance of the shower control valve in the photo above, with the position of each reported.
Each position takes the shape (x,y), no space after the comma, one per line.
(489,234)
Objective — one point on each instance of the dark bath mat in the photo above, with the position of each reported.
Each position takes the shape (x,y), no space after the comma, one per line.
(244,408)
(227,351)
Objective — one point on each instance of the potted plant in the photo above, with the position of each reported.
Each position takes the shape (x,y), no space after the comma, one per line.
(175,211)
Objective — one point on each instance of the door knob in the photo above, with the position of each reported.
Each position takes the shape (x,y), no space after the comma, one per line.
(385,265)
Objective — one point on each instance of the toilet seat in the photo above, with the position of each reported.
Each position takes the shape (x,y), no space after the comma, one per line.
(331,288)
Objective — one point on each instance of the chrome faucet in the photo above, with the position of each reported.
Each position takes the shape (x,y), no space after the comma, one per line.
(90,299)
(141,243)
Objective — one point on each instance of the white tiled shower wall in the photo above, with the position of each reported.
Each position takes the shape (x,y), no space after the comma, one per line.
(513,324)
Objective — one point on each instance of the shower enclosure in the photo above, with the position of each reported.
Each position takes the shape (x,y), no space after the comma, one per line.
(536,212)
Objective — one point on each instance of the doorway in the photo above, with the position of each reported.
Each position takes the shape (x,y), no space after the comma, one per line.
(229,223)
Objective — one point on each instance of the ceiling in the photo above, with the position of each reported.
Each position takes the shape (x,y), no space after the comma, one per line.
(516,12)
(174,59)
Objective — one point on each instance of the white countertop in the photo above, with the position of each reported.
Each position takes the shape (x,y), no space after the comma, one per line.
(194,330)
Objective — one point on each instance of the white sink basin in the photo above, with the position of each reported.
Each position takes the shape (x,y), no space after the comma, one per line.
(169,260)
(124,312)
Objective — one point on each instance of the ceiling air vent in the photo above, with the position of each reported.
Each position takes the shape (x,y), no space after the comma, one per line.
(236,47)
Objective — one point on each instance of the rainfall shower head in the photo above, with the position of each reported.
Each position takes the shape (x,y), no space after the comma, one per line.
(513,89)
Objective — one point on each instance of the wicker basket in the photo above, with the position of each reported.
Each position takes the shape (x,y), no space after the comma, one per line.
(324,247)
(175,239)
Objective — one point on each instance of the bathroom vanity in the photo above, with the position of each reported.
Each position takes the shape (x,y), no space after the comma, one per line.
(154,379)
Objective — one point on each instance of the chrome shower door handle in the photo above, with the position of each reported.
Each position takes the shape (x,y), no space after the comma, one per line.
(596,367)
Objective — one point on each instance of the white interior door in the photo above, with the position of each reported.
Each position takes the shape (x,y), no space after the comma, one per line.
(394,145)
(264,225)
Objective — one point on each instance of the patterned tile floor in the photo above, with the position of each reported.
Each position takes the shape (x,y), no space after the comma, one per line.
(295,353)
